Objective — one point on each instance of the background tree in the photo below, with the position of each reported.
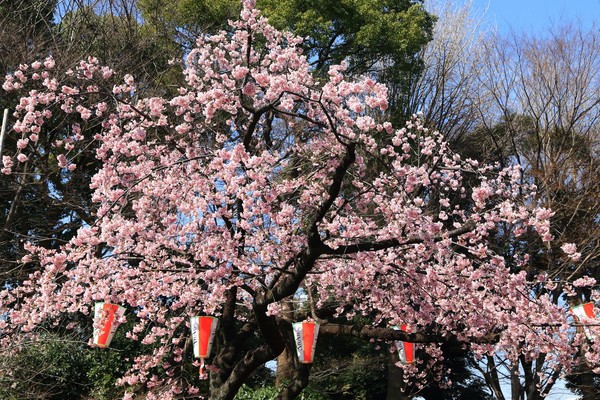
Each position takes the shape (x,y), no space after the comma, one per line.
(26,31)
(42,202)
(181,22)
(529,100)
(380,38)
(543,113)
(448,88)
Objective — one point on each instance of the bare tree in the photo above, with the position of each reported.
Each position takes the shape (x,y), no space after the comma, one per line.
(543,111)
(448,89)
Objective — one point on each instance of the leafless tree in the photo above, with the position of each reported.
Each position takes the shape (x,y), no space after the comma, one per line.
(448,90)
(543,112)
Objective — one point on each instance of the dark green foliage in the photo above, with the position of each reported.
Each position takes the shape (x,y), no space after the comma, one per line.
(381,38)
(349,368)
(364,32)
(270,392)
(118,40)
(60,365)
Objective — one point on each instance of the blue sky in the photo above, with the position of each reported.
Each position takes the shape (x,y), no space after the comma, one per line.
(535,16)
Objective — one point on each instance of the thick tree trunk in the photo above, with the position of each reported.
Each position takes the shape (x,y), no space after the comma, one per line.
(588,391)
(285,369)
(286,362)
(516,388)
(492,378)
(395,382)
(244,368)
(280,287)
(298,381)
(531,379)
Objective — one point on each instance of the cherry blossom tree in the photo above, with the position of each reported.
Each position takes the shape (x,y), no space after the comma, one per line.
(257,184)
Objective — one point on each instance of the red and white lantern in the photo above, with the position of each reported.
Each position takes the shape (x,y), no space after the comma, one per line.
(203,334)
(406,350)
(586,311)
(106,321)
(305,335)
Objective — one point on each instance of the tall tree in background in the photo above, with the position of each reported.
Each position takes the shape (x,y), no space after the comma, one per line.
(380,38)
(43,203)
(181,22)
(544,113)
(531,101)
(26,31)
(448,88)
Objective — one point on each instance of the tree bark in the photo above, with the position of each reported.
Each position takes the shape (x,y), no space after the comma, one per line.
(395,376)
(285,368)
(297,383)
(586,379)
(286,360)
(515,382)
(492,378)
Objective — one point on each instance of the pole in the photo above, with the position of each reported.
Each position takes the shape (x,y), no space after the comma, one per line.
(4,120)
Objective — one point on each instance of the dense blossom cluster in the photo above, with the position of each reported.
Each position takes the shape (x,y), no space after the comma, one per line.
(252,169)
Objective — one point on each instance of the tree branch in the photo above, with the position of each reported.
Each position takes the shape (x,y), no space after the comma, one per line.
(390,243)
(369,332)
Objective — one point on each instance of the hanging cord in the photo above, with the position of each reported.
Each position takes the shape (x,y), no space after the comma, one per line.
(203,374)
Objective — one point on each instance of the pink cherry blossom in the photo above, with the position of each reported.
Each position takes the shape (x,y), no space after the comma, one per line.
(49,63)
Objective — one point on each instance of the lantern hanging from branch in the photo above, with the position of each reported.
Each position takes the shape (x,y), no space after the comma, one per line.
(406,350)
(106,321)
(203,334)
(305,335)
(582,311)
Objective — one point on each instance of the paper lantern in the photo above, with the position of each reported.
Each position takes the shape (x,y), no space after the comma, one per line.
(106,316)
(584,311)
(406,350)
(203,334)
(305,335)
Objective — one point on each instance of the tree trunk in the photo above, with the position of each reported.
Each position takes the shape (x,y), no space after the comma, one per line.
(285,368)
(395,380)
(588,391)
(298,381)
(516,388)
(586,378)
(492,379)
(286,362)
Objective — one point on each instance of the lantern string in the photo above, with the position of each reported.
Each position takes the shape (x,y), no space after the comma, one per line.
(203,374)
